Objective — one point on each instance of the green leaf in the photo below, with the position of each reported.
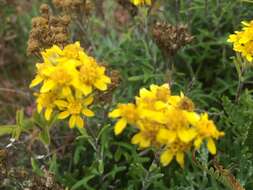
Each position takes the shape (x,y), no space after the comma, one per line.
(7,129)
(45,135)
(36,168)
(84,183)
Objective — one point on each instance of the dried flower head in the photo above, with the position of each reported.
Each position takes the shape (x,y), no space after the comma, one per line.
(47,30)
(71,7)
(170,38)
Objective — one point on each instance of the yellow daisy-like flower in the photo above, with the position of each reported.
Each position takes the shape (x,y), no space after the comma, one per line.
(243,40)
(61,77)
(177,150)
(91,76)
(207,130)
(127,114)
(141,2)
(46,101)
(65,72)
(75,108)
(166,121)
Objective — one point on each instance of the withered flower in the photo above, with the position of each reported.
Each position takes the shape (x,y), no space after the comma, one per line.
(47,30)
(170,38)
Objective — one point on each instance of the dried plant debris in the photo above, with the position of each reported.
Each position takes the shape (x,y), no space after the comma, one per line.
(170,38)
(22,178)
(74,6)
(47,30)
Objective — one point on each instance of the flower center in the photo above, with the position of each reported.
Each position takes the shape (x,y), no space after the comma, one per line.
(75,107)
(62,77)
(89,74)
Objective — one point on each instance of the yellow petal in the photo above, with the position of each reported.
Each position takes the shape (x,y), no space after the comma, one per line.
(72,121)
(66,91)
(48,113)
(192,117)
(187,135)
(249,58)
(88,100)
(141,140)
(106,79)
(153,87)
(39,108)
(160,105)
(86,89)
(166,157)
(165,136)
(88,112)
(63,115)
(101,85)
(197,142)
(47,86)
(114,113)
(180,158)
(154,115)
(79,122)
(120,126)
(61,103)
(211,146)
(38,79)
(144,92)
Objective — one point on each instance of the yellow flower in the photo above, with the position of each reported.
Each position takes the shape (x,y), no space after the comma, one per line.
(43,72)
(166,121)
(142,139)
(74,107)
(46,100)
(176,149)
(141,2)
(65,72)
(61,77)
(91,75)
(127,114)
(181,102)
(73,51)
(153,103)
(207,130)
(52,55)
(243,40)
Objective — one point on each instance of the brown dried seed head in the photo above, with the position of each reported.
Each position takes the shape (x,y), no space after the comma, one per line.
(44,9)
(58,29)
(65,20)
(33,46)
(61,38)
(170,38)
(57,3)
(39,21)
(48,30)
(115,78)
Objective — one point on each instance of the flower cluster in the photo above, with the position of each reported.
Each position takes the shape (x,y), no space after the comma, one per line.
(243,40)
(141,2)
(68,77)
(166,121)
